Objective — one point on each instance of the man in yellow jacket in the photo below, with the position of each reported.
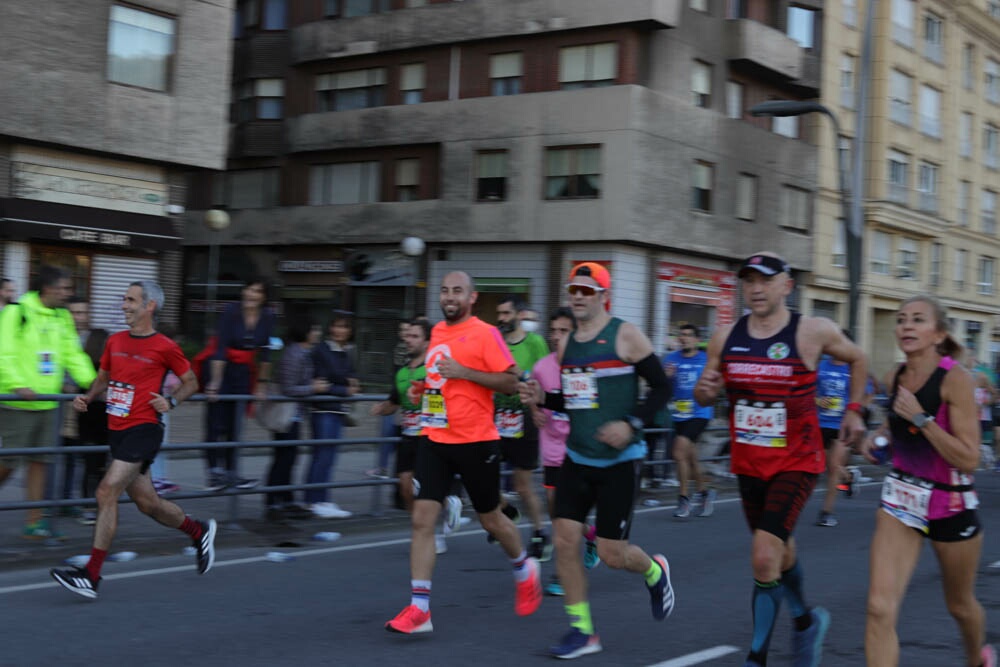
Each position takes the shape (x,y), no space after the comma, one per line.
(38,346)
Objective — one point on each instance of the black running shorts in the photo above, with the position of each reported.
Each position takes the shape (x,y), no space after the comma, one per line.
(520,453)
(690,428)
(613,490)
(136,444)
(478,464)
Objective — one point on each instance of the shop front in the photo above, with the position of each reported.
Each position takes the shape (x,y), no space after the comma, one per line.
(696,295)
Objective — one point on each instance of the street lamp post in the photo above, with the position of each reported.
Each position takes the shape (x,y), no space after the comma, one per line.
(413,247)
(852,223)
(216,220)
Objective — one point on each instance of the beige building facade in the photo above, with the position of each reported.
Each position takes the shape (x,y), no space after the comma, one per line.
(931,158)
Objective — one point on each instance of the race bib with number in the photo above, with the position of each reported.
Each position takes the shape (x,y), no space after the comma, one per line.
(579,388)
(46,363)
(411,423)
(120,397)
(834,406)
(510,423)
(908,500)
(761,424)
(433,412)
(683,409)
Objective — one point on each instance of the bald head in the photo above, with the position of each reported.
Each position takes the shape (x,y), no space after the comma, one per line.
(458,277)
(457,296)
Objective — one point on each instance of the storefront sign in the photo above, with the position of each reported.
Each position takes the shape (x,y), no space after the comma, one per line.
(697,285)
(311,266)
(92,236)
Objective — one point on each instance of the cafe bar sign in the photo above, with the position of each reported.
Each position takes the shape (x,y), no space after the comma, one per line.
(96,237)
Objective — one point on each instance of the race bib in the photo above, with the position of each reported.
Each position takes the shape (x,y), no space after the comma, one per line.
(120,397)
(761,424)
(579,388)
(433,413)
(834,406)
(510,423)
(46,363)
(411,422)
(908,499)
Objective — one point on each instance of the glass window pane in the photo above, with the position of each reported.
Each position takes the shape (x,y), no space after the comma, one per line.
(408,171)
(605,61)
(573,63)
(588,161)
(270,87)
(557,162)
(411,77)
(504,65)
(492,165)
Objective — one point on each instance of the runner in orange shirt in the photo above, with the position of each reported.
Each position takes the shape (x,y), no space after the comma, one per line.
(467,361)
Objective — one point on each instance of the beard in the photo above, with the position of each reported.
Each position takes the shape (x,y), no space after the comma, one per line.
(453,313)
(506,327)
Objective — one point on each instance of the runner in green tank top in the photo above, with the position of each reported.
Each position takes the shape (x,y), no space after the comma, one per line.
(600,365)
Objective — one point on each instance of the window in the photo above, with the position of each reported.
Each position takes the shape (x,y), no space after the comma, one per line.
(351,8)
(838,254)
(802,26)
(897,178)
(827,309)
(900,95)
(573,173)
(411,83)
(506,70)
(992,80)
(702,180)
(988,212)
(736,9)
(958,271)
(357,89)
(909,259)
(969,66)
(274,16)
(964,200)
(261,99)
(701,84)
(699,5)
(902,21)
(850,12)
(795,208)
(927,186)
(965,134)
(934,38)
(408,179)
(847,81)
(991,146)
(786,126)
(491,175)
(746,197)
(930,111)
(734,99)
(344,183)
(251,188)
(881,252)
(985,283)
(588,66)
(993,8)
(934,275)
(140,48)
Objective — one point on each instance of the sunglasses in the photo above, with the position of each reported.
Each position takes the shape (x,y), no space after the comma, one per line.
(585,290)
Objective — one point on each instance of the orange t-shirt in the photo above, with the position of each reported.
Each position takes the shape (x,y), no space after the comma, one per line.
(467,412)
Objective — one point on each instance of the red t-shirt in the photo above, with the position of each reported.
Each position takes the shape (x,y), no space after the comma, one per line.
(467,406)
(136,367)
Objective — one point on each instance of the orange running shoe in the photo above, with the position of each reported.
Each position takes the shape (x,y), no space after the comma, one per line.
(411,621)
(528,594)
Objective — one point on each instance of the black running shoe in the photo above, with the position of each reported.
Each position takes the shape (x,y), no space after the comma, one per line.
(77,580)
(205,546)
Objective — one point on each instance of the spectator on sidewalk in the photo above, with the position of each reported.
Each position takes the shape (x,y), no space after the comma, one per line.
(38,346)
(296,377)
(332,361)
(241,357)
(6,292)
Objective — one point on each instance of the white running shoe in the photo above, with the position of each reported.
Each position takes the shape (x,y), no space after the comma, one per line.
(452,514)
(440,544)
(330,511)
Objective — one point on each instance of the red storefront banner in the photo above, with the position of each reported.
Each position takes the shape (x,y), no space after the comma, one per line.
(707,287)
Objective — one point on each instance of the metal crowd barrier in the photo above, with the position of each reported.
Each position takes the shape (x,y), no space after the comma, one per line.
(61,453)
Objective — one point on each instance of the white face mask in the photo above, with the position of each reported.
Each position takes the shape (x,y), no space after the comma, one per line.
(529,326)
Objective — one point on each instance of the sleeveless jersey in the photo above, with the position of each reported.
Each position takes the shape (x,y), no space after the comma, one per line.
(598,387)
(833,391)
(914,455)
(773,421)
(687,370)
(410,412)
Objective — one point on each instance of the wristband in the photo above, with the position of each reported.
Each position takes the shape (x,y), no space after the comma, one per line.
(854,406)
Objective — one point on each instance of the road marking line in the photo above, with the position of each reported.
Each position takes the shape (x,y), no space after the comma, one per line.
(699,657)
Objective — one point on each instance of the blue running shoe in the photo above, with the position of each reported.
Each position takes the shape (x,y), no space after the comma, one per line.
(590,557)
(661,594)
(576,644)
(554,588)
(807,646)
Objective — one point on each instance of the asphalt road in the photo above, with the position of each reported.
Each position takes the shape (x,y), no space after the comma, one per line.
(328,606)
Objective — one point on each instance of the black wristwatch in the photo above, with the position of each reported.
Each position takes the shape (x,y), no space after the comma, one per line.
(635,423)
(172,401)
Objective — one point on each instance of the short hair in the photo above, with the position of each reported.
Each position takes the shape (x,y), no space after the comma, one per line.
(49,276)
(298,330)
(151,291)
(563,311)
(258,280)
(341,316)
(687,326)
(424,324)
(77,299)
(514,300)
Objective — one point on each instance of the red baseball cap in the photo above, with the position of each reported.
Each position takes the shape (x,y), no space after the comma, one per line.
(593,270)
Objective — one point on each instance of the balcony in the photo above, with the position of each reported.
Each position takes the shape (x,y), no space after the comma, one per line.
(459,22)
(764,47)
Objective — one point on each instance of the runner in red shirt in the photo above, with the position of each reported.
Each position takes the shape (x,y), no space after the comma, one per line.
(467,360)
(133,367)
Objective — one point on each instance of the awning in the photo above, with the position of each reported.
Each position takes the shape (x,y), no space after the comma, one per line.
(31,219)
